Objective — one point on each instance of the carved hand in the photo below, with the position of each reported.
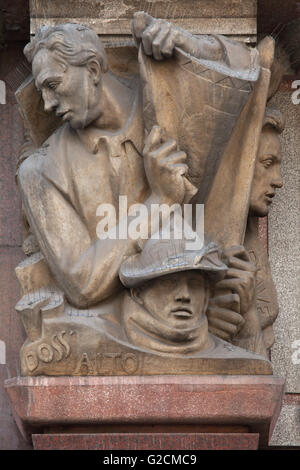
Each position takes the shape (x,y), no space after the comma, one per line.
(224,319)
(165,168)
(226,309)
(158,36)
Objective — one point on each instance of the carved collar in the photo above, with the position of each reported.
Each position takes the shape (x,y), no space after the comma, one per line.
(132,131)
(144,330)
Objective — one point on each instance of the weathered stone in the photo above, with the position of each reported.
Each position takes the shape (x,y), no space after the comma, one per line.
(284,250)
(75,311)
(147,441)
(12,337)
(107,18)
(158,8)
(105,403)
(227,26)
(287,429)
(111,20)
(11,138)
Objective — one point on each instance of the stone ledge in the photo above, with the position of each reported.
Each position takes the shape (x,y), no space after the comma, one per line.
(232,26)
(252,401)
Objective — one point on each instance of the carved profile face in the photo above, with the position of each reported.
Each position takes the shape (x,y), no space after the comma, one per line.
(179,299)
(267,177)
(71,91)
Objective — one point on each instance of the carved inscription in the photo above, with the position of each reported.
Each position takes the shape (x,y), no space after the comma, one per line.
(46,353)
(107,364)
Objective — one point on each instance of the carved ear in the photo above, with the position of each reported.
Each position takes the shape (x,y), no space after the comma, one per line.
(136,295)
(95,70)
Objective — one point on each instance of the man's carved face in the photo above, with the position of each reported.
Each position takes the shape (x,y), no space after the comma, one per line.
(267,175)
(178,299)
(66,89)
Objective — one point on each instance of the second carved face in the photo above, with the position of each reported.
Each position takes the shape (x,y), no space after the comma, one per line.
(178,300)
(267,177)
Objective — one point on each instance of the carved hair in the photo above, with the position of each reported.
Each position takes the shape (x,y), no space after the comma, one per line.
(72,43)
(274,118)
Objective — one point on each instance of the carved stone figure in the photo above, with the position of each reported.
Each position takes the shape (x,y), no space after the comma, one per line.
(92,159)
(169,294)
(257,290)
(157,326)
(230,192)
(165,138)
(170,288)
(197,94)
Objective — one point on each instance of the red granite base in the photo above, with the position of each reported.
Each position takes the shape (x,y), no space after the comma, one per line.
(193,406)
(146,441)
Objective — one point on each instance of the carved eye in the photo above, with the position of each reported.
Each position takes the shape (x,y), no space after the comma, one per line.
(268,162)
(52,85)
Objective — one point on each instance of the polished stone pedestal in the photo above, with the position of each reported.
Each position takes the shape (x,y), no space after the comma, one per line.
(155,412)
(147,441)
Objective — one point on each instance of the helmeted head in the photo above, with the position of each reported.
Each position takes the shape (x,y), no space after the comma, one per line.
(171,283)
(267,177)
(179,300)
(68,61)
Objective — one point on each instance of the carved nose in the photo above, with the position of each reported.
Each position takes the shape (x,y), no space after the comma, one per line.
(182,293)
(277,183)
(50,102)
(50,106)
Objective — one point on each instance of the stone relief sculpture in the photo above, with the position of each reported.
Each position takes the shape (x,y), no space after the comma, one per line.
(267,178)
(98,305)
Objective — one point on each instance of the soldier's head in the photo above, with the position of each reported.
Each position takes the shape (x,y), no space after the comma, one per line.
(67,64)
(169,293)
(267,177)
(178,299)
(172,284)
